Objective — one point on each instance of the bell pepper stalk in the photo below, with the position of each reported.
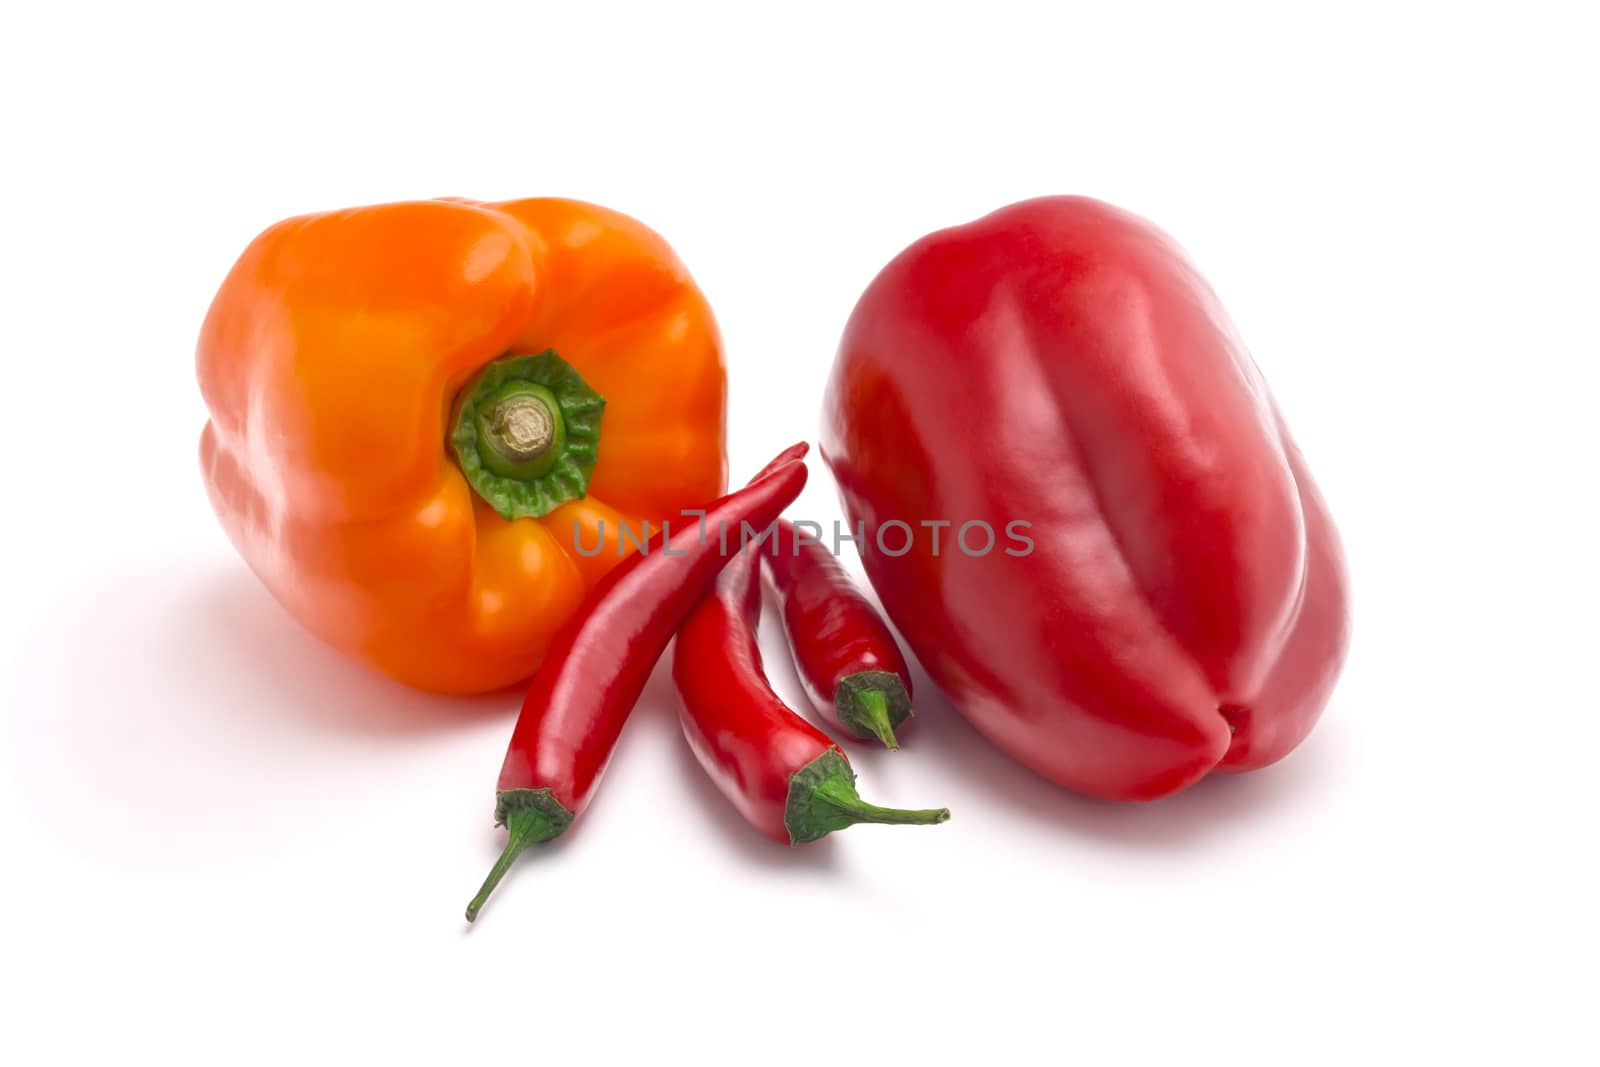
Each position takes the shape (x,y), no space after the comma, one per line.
(527,434)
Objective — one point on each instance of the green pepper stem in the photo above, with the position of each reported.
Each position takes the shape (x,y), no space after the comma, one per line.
(871,704)
(526,434)
(520,432)
(843,799)
(530,816)
(822,799)
(874,716)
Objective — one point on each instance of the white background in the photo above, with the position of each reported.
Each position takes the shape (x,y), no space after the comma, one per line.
(225,844)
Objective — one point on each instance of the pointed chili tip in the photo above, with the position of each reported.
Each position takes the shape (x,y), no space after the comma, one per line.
(793,454)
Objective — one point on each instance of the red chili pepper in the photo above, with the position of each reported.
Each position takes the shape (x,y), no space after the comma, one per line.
(1140,583)
(598,664)
(783,774)
(848,661)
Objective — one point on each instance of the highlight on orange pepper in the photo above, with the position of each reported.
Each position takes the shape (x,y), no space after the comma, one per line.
(426,415)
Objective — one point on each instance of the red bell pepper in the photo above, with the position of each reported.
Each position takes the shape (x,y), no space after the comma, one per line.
(1137,581)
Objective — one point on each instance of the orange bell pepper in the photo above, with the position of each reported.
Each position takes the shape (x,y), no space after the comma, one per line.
(426,417)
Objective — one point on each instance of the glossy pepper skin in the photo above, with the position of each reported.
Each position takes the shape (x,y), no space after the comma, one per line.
(600,661)
(847,659)
(1183,607)
(333,362)
(786,777)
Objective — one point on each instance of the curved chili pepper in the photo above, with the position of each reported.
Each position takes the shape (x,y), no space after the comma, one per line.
(598,665)
(848,661)
(783,774)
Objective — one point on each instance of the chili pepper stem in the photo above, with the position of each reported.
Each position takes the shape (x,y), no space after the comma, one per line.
(823,798)
(844,800)
(872,704)
(530,816)
(874,715)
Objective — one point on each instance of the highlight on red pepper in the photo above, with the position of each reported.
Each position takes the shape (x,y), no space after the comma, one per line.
(598,664)
(1178,602)
(786,777)
(418,409)
(848,662)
